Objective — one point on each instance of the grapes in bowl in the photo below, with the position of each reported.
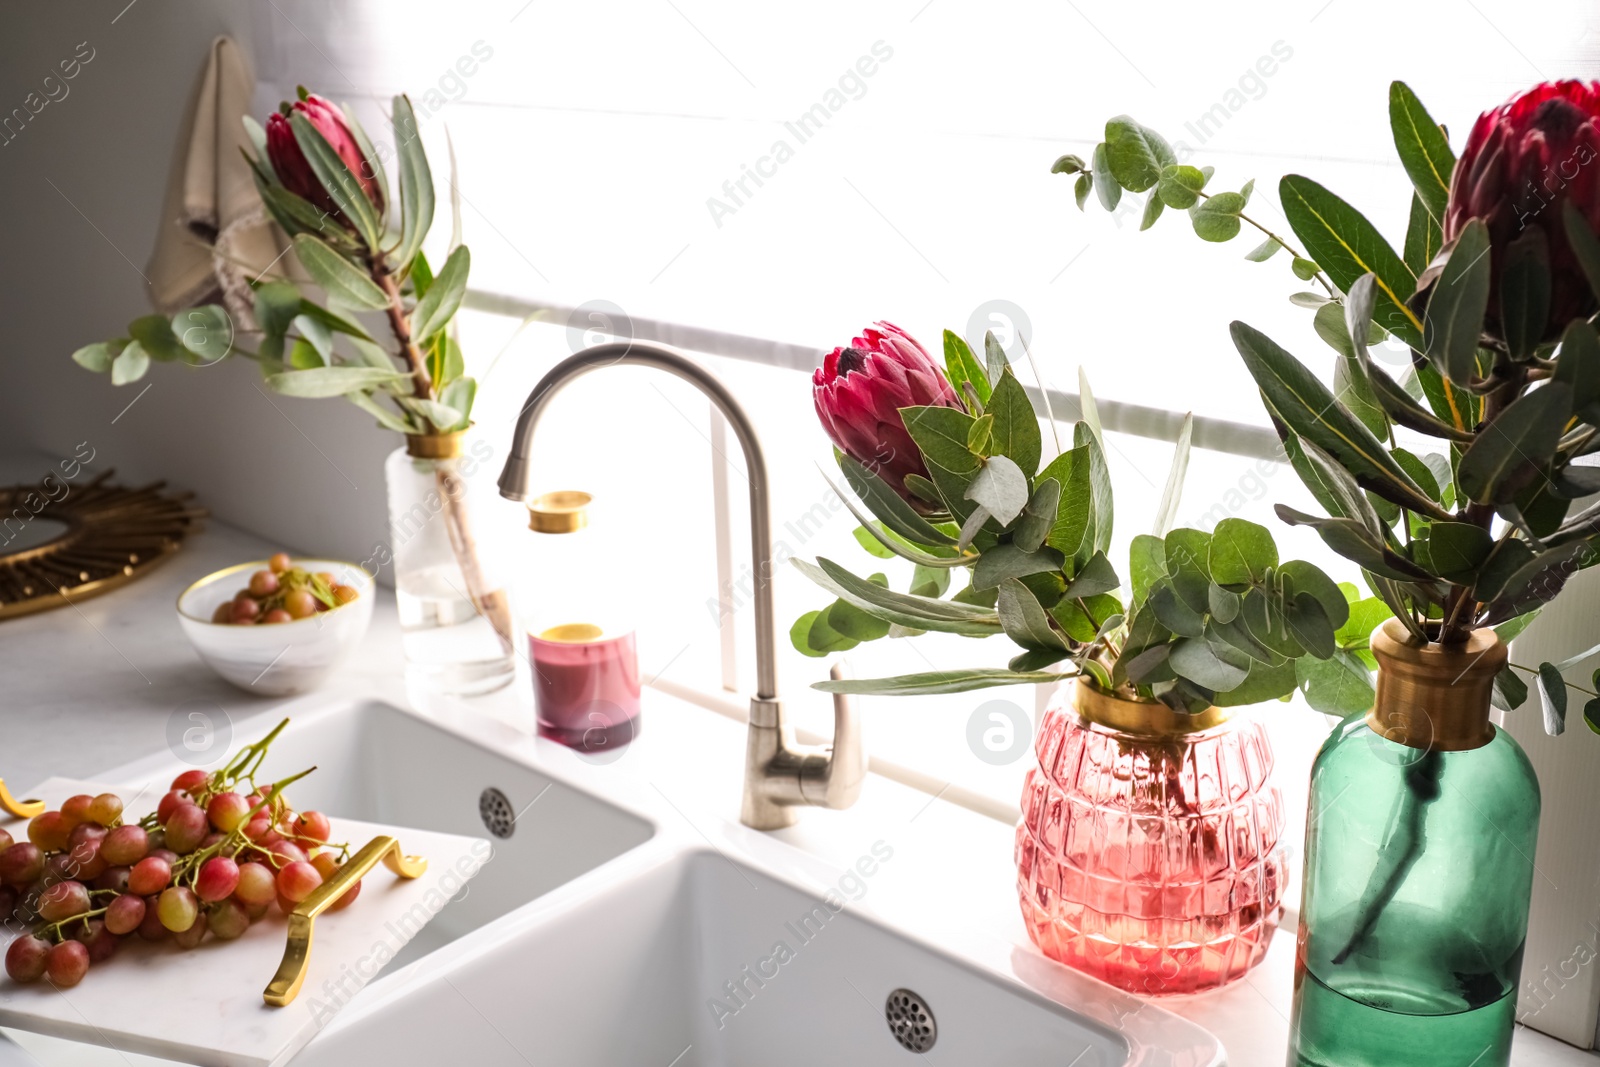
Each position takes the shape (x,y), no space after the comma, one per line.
(279,626)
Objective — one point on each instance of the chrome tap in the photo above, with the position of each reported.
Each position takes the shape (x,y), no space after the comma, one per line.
(779,775)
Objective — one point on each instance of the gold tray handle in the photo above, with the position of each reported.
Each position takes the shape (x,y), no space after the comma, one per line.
(22,809)
(285,985)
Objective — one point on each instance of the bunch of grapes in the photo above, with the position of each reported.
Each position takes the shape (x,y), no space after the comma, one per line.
(283,593)
(213,857)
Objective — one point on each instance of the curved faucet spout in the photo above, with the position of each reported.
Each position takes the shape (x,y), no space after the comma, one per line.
(779,776)
(515,479)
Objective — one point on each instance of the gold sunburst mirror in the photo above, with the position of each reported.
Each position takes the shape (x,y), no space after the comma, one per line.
(61,543)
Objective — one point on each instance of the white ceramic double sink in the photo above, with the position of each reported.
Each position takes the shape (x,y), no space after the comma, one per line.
(605,931)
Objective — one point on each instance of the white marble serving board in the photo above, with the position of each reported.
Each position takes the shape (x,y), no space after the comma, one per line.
(204,1005)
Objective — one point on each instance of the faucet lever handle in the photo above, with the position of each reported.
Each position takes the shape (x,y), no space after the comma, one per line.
(847,762)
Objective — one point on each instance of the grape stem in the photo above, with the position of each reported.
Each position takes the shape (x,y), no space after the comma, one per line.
(53,931)
(188,867)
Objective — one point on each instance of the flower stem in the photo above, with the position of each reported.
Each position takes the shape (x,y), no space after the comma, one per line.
(1320,278)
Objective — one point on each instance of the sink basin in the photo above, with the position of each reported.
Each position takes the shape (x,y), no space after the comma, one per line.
(378,763)
(700,960)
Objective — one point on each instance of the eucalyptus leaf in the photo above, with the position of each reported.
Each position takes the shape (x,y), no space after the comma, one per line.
(155,335)
(1263,251)
(1510,691)
(1196,660)
(1093,578)
(934,683)
(1553,697)
(850,621)
(1016,427)
(1000,488)
(1104,182)
(1147,562)
(1039,515)
(1242,552)
(1152,211)
(97,357)
(1339,685)
(1136,154)
(1217,218)
(812,636)
(1180,185)
(940,434)
(1025,622)
(1008,561)
(130,364)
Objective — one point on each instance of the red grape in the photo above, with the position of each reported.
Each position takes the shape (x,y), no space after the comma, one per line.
(126,845)
(285,852)
(49,830)
(83,832)
(159,853)
(300,603)
(76,809)
(114,879)
(194,934)
(228,920)
(101,943)
(255,911)
(25,959)
(186,828)
(313,826)
(277,615)
(327,864)
(150,928)
(259,826)
(8,902)
(177,908)
(63,900)
(170,804)
(257,884)
(263,584)
(298,880)
(85,860)
(68,962)
(280,562)
(190,781)
(21,864)
(219,877)
(150,875)
(125,914)
(286,905)
(105,809)
(245,611)
(224,612)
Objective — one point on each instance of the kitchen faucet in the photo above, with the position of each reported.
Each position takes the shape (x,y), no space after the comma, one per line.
(779,775)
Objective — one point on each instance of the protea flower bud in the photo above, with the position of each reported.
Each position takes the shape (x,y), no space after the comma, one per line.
(1523,163)
(290,162)
(859,390)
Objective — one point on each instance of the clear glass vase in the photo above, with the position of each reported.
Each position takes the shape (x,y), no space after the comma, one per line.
(1419,869)
(1148,854)
(455,615)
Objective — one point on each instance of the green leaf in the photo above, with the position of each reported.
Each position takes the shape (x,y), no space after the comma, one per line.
(386,418)
(1173,613)
(1309,409)
(1304,269)
(1039,516)
(1509,631)
(1265,682)
(1341,240)
(995,357)
(941,435)
(1025,622)
(1199,661)
(1356,542)
(1512,449)
(130,364)
(1001,488)
(1068,164)
(276,305)
(919,613)
(460,395)
(1583,242)
(1351,383)
(1263,251)
(1424,151)
(1217,219)
(1457,549)
(337,275)
(335,177)
(1094,578)
(1308,578)
(1101,513)
(889,507)
(872,542)
(154,334)
(934,683)
(811,636)
(1578,364)
(1105,183)
(1072,529)
(369,152)
(1225,604)
(1553,695)
(1591,714)
(1457,304)
(961,365)
(205,332)
(434,310)
(1339,685)
(1152,211)
(850,621)
(332,381)
(98,356)
(303,355)
(1241,553)
(1016,427)
(1081,187)
(1147,562)
(1509,690)
(1525,292)
(1180,186)
(929,581)
(1136,154)
(1008,561)
(1172,492)
(1423,237)
(1188,552)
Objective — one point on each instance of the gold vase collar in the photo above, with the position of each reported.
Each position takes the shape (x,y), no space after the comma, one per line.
(1143,718)
(433,445)
(1433,696)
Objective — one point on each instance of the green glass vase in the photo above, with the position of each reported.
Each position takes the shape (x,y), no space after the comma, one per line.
(1419,868)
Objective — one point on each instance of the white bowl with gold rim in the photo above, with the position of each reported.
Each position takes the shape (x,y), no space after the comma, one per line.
(283,658)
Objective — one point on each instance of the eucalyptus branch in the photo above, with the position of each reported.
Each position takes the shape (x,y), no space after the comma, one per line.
(1319,277)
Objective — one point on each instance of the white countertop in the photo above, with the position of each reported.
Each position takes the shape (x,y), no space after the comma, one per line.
(95,685)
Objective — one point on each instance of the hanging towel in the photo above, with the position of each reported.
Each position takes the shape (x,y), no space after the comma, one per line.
(215,236)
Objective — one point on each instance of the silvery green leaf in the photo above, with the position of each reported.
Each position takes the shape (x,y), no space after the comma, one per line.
(1172,493)
(337,275)
(434,310)
(1038,516)
(932,683)
(1025,622)
(1008,561)
(1263,251)
(130,364)
(1000,488)
(97,357)
(1553,695)
(319,382)
(388,419)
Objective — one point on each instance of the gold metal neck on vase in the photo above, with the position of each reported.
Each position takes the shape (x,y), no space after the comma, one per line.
(566,511)
(1433,696)
(433,445)
(1142,718)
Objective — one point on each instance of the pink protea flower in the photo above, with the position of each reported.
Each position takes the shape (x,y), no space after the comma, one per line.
(290,164)
(1524,161)
(859,391)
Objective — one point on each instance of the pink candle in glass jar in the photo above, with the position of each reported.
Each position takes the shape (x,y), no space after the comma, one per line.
(586,686)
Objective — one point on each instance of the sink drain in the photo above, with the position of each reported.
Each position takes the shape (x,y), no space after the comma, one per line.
(497,813)
(910,1021)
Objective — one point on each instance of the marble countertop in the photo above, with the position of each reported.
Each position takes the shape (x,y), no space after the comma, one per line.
(96,684)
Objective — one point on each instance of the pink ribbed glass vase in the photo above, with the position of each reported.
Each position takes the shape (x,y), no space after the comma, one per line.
(1148,852)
